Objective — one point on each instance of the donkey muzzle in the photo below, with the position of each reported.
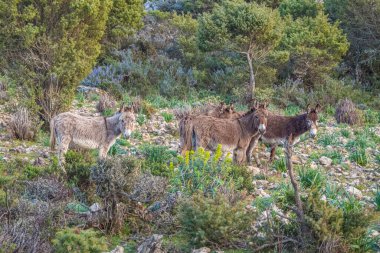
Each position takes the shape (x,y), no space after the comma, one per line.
(127,133)
(262,128)
(313,132)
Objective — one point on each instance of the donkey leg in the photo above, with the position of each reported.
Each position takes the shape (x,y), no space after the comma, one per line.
(103,151)
(62,150)
(272,153)
(252,149)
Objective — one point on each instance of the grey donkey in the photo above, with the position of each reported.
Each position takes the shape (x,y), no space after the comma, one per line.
(68,129)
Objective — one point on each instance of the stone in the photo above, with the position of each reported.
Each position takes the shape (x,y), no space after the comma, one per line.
(151,244)
(202,250)
(254,170)
(95,207)
(118,249)
(354,191)
(325,161)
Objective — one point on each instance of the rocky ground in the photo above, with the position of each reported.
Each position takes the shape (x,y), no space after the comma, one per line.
(330,151)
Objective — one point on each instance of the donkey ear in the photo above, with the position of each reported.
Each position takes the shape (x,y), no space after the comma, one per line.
(308,108)
(128,109)
(318,108)
(122,108)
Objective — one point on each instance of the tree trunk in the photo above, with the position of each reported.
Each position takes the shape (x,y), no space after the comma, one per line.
(252,82)
(299,210)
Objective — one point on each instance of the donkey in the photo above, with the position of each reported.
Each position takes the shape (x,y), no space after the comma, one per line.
(221,111)
(68,129)
(234,135)
(282,128)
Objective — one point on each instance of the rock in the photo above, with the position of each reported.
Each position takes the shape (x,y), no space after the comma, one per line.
(202,250)
(95,207)
(254,170)
(356,192)
(118,249)
(39,161)
(325,161)
(151,245)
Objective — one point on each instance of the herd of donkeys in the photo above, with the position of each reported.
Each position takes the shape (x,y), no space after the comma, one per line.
(237,132)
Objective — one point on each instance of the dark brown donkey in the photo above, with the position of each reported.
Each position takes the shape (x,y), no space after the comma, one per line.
(221,111)
(234,135)
(280,128)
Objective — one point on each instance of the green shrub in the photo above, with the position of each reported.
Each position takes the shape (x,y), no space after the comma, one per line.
(75,240)
(168,117)
(371,117)
(157,159)
(78,166)
(311,178)
(359,156)
(292,110)
(215,221)
(201,171)
(108,112)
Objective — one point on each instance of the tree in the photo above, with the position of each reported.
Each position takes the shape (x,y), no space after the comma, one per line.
(360,20)
(50,46)
(125,18)
(247,28)
(299,8)
(315,47)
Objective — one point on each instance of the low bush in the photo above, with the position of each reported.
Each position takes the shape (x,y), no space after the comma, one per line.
(209,174)
(346,112)
(115,179)
(157,159)
(215,221)
(78,167)
(22,125)
(77,241)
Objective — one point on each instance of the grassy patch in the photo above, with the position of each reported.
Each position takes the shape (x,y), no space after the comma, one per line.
(328,139)
(360,157)
(140,119)
(311,178)
(335,156)
(168,117)
(280,164)
(345,133)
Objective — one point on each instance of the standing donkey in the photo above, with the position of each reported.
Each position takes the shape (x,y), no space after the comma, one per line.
(68,129)
(282,128)
(234,135)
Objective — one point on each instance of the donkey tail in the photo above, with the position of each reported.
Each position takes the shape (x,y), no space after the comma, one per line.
(52,135)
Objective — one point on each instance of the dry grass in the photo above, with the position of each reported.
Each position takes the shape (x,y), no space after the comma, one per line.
(346,112)
(105,102)
(22,126)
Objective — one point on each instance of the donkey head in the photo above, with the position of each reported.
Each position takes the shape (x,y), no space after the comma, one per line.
(126,122)
(311,119)
(260,118)
(227,112)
